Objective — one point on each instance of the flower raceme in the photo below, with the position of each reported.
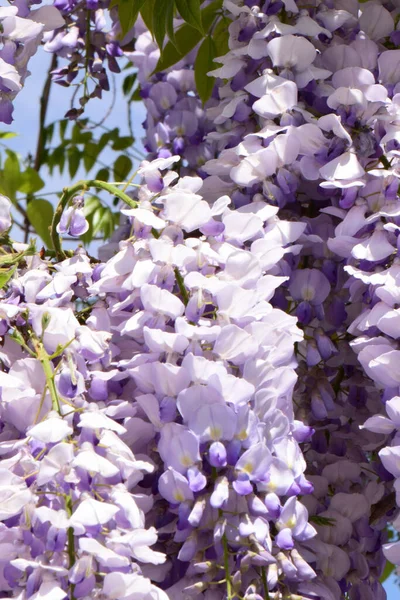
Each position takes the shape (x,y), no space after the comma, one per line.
(303,117)
(161,409)
(219,377)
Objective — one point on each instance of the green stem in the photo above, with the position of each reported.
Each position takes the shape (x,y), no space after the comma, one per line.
(265,584)
(127,184)
(69,193)
(385,162)
(181,285)
(17,337)
(71,541)
(49,374)
(226,567)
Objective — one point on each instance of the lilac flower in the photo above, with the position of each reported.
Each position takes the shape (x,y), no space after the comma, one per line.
(73,220)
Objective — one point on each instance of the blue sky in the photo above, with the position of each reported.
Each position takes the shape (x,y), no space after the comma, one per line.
(26,115)
(392,589)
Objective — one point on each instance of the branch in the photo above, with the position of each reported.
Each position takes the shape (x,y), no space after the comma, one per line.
(381,508)
(44,104)
(41,142)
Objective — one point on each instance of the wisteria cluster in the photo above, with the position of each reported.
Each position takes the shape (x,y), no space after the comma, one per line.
(304,118)
(21,32)
(213,410)
(165,414)
(90,43)
(84,35)
(176,121)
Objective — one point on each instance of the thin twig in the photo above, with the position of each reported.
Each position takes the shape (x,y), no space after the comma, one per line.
(41,141)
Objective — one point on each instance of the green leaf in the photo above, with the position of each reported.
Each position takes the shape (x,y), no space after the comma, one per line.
(123,142)
(47,159)
(191,13)
(92,203)
(63,127)
(128,11)
(40,215)
(221,36)
(136,96)
(147,11)
(14,258)
(128,83)
(79,136)
(101,219)
(97,219)
(388,570)
(74,159)
(48,133)
(108,222)
(204,64)
(103,174)
(323,521)
(31,182)
(169,22)
(159,24)
(6,135)
(187,37)
(11,176)
(90,155)
(58,157)
(122,167)
(5,276)
(104,140)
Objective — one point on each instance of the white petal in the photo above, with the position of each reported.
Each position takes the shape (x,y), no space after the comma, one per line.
(94,463)
(92,512)
(344,167)
(279,100)
(51,431)
(379,424)
(97,420)
(147,217)
(291,51)
(104,555)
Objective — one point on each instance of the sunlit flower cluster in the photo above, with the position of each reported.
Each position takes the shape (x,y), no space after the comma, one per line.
(213,410)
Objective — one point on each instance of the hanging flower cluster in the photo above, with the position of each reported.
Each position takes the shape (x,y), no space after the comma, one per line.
(21,32)
(202,414)
(306,121)
(90,43)
(167,410)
